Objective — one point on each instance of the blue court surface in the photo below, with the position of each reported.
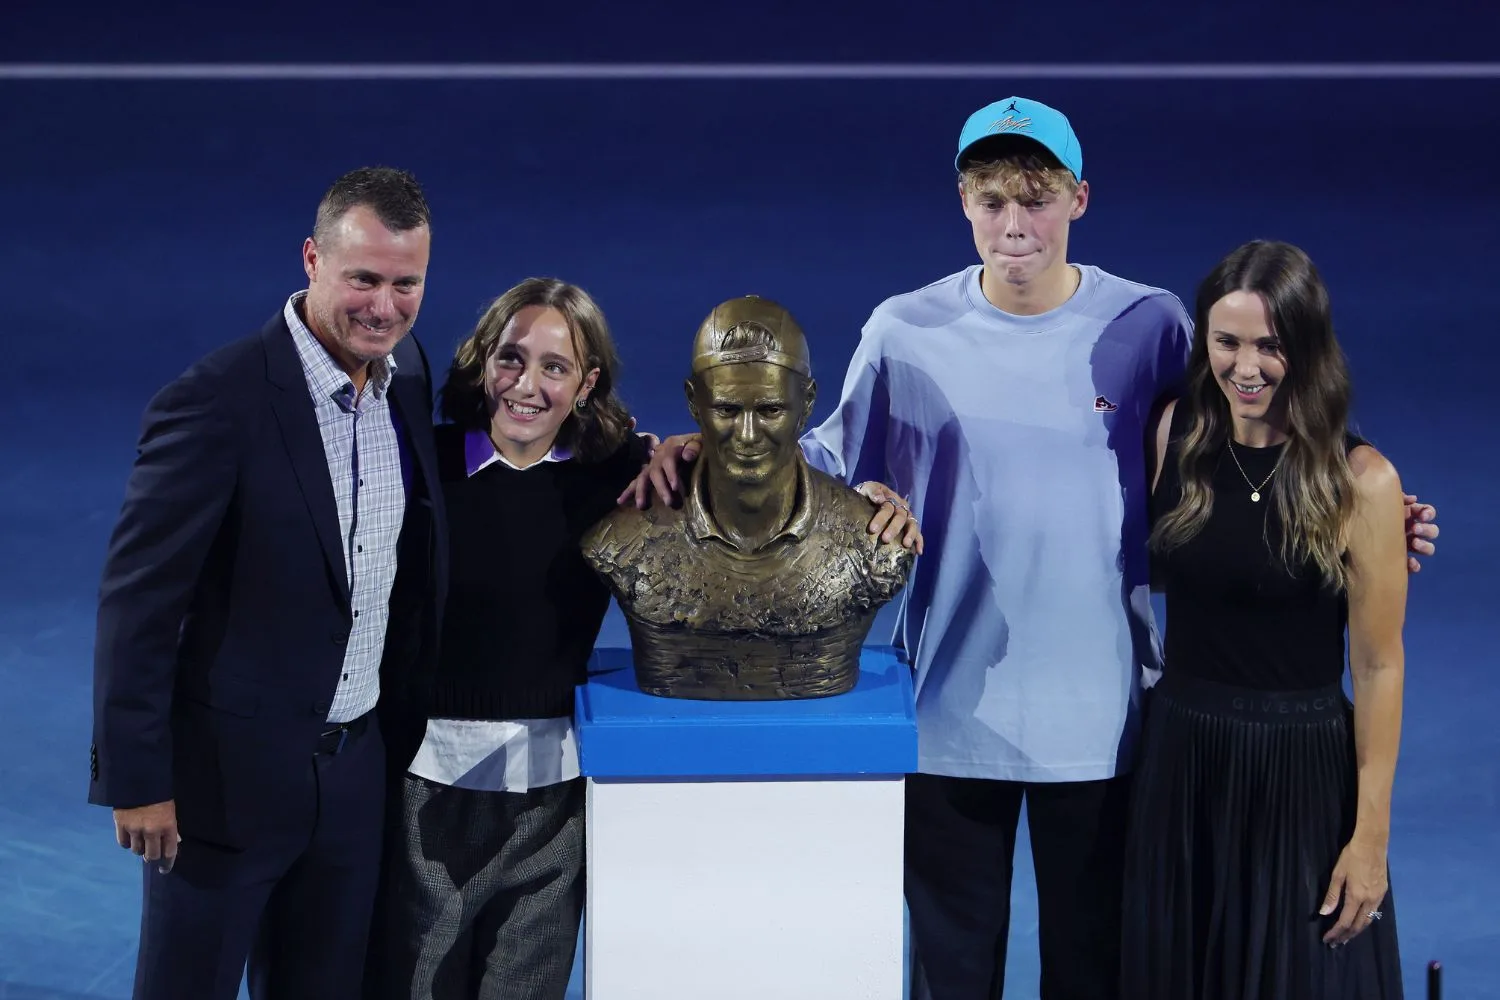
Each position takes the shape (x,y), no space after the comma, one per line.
(147,221)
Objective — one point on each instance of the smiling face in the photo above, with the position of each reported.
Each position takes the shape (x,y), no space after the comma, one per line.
(533,380)
(751,415)
(365,286)
(1247,358)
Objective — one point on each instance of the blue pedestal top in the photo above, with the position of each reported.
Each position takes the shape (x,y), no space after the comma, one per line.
(626,734)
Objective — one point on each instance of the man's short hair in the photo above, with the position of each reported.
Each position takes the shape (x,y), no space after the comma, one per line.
(393,195)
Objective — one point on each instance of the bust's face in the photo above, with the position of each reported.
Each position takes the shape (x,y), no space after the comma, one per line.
(751,415)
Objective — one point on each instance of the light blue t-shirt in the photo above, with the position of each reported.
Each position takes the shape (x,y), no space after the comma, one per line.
(1021,443)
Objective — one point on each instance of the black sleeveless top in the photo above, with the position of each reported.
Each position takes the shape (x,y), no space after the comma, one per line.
(1235,615)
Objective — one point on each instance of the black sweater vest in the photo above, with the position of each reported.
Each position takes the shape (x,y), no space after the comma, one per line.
(524,609)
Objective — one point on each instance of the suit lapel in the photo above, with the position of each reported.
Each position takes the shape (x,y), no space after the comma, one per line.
(298,420)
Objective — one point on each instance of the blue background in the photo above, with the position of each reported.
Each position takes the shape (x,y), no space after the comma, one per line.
(147,222)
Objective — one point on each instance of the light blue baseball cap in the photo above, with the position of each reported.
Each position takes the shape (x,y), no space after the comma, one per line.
(1027,119)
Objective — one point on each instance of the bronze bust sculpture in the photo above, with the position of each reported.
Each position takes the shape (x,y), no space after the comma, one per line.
(765,582)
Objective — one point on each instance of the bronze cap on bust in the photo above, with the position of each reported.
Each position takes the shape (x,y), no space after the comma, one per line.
(731,320)
(765,582)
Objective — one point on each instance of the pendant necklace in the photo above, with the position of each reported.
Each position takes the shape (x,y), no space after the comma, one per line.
(1254,490)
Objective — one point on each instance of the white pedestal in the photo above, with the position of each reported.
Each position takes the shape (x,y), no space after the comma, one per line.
(761,890)
(745,850)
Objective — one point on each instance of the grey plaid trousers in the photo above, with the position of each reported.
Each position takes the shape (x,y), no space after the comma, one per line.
(483,894)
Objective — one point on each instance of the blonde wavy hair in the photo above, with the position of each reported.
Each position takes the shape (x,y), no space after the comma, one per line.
(1022,175)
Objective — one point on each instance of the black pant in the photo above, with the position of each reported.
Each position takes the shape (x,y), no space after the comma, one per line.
(960,845)
(295,905)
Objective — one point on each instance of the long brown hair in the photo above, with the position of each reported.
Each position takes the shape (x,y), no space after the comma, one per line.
(1314,488)
(594,432)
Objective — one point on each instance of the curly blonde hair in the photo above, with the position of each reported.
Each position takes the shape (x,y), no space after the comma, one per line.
(1018,176)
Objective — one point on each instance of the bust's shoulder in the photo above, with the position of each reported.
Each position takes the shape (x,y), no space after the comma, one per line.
(845,513)
(627,527)
(841,503)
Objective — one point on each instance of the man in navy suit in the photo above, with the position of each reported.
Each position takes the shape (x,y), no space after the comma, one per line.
(274,581)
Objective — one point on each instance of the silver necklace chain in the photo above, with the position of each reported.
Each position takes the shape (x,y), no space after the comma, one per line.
(1254,490)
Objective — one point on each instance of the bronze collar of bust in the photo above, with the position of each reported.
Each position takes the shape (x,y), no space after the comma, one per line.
(700,519)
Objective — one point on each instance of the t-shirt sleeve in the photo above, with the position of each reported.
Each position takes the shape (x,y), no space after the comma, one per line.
(1174,347)
(850,444)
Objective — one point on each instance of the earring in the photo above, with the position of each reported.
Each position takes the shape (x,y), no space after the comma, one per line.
(582,404)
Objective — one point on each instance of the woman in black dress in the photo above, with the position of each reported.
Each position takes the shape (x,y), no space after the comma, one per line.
(1261,806)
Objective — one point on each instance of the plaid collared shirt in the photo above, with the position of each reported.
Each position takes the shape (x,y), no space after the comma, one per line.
(368,471)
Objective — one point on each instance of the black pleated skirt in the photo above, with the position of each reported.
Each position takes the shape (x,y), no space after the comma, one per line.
(1241,803)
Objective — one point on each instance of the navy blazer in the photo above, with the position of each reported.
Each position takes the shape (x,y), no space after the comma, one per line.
(224,609)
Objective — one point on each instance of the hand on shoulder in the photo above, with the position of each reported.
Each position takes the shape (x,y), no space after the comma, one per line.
(661,473)
(893,518)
